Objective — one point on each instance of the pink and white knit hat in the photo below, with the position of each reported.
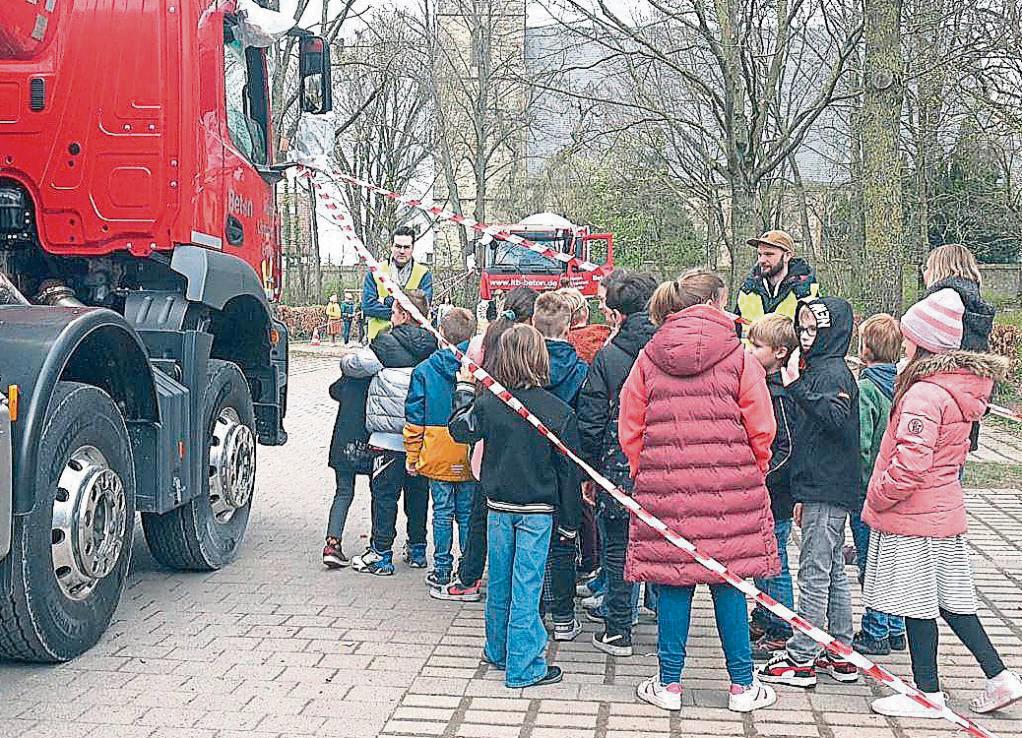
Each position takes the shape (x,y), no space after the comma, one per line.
(935,323)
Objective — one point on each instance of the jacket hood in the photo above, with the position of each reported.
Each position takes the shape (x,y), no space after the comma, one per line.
(445,363)
(565,367)
(883,376)
(800,276)
(418,342)
(833,328)
(634,334)
(966,375)
(693,340)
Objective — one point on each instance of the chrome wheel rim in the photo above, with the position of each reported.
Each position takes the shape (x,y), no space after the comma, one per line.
(231,465)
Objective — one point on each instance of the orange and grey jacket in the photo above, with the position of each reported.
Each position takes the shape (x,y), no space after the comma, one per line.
(431,450)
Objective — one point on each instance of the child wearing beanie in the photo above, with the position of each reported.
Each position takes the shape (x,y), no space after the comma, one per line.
(918,563)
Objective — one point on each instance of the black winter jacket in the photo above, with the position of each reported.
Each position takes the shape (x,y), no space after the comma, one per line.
(825,462)
(350,425)
(599,400)
(522,472)
(403,346)
(778,478)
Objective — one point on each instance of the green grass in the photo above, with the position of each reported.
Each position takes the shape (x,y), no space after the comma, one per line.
(1011,316)
(991,475)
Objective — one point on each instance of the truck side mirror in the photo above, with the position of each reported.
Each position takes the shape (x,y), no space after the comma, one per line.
(314,74)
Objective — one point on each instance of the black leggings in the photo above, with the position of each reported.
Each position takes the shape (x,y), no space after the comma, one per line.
(922,645)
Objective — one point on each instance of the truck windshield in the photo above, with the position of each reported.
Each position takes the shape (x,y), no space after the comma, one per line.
(509,257)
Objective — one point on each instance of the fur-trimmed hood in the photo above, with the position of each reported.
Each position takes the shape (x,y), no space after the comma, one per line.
(968,376)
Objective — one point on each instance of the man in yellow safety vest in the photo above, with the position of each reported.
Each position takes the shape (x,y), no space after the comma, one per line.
(778,280)
(376,299)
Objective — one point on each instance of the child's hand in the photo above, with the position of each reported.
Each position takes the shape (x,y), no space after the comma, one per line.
(410,469)
(790,371)
(589,493)
(465,375)
(797,513)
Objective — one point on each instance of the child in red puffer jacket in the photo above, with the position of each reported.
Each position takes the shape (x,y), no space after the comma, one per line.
(696,424)
(918,563)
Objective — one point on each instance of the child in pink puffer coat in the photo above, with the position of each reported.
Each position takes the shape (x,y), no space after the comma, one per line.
(918,563)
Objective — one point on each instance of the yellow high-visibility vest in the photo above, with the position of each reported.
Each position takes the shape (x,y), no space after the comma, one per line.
(379,324)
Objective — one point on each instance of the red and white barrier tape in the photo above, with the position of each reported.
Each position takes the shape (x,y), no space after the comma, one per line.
(820,636)
(464,220)
(1002,412)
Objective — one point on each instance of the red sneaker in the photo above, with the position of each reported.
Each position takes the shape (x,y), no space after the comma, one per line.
(456,592)
(333,556)
(838,669)
(782,669)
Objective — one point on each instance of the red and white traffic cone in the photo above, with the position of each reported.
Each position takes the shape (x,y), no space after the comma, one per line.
(315,336)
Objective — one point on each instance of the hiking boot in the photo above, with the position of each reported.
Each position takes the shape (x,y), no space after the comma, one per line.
(664,696)
(899,705)
(870,646)
(753,697)
(438,579)
(897,642)
(765,648)
(333,555)
(616,644)
(567,631)
(782,669)
(837,668)
(553,676)
(374,562)
(415,555)
(456,592)
(1003,690)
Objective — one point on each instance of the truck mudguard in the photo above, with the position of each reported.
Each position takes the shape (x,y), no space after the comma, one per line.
(40,346)
(214,278)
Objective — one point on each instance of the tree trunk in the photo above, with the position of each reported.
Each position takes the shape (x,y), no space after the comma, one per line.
(746,223)
(881,118)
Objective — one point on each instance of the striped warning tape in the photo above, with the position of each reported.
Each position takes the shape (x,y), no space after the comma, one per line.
(468,222)
(820,636)
(1003,412)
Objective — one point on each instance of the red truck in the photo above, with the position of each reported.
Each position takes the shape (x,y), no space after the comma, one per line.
(140,362)
(505,265)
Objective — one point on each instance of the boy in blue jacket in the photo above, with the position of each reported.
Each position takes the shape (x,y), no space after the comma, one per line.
(552,318)
(430,450)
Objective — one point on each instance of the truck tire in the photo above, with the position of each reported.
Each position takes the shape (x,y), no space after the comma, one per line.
(206,532)
(70,555)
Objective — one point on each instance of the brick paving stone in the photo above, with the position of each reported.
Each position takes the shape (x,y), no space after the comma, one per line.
(274,645)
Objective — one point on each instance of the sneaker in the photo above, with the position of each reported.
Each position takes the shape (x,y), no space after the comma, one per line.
(582,589)
(897,642)
(595,614)
(837,668)
(1001,691)
(553,676)
(492,664)
(567,631)
(592,601)
(899,705)
(666,697)
(867,644)
(456,592)
(438,579)
(366,559)
(765,648)
(753,697)
(333,555)
(380,564)
(415,555)
(616,645)
(782,669)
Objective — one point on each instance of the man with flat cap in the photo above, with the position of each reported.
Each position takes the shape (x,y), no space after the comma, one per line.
(778,280)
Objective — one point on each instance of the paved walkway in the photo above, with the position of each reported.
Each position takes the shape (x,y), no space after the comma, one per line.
(276,646)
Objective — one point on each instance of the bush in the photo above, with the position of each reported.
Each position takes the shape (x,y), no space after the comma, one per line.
(301,321)
(1006,340)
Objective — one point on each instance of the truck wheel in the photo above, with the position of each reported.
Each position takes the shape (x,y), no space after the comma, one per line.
(206,533)
(69,557)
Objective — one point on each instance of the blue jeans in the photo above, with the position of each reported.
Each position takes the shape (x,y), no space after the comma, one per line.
(674,612)
(779,587)
(515,636)
(451,501)
(877,625)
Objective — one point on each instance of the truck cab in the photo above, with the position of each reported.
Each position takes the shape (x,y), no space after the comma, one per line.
(139,259)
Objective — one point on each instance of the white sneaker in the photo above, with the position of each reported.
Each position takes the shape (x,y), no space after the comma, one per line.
(365,559)
(567,631)
(753,697)
(592,601)
(665,697)
(899,705)
(1001,691)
